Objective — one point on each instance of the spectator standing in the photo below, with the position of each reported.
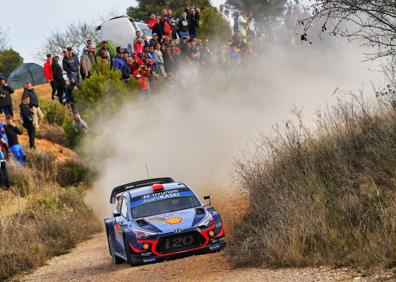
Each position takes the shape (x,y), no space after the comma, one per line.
(183,26)
(154,40)
(157,28)
(5,97)
(158,56)
(138,37)
(104,53)
(58,78)
(70,64)
(27,120)
(145,40)
(38,115)
(118,61)
(12,133)
(4,152)
(49,75)
(172,23)
(152,21)
(85,67)
(192,25)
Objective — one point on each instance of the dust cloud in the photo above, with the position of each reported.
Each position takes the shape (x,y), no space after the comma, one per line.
(193,130)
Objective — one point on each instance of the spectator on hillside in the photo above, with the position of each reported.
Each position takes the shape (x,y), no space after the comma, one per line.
(68,98)
(58,78)
(12,133)
(5,97)
(145,40)
(70,64)
(85,67)
(157,28)
(4,153)
(152,21)
(138,36)
(27,120)
(172,23)
(165,26)
(159,59)
(118,60)
(104,53)
(154,40)
(192,24)
(38,115)
(183,26)
(90,44)
(49,75)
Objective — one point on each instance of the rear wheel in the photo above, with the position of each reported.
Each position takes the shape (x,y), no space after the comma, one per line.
(129,255)
(116,259)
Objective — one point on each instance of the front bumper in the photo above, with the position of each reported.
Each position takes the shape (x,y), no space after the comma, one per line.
(213,239)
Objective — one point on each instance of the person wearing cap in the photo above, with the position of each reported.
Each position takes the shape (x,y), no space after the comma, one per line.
(27,120)
(5,97)
(85,64)
(118,60)
(154,39)
(12,132)
(49,75)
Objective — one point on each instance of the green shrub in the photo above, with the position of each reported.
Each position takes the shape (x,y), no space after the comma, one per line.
(73,134)
(53,111)
(213,26)
(72,173)
(325,198)
(43,162)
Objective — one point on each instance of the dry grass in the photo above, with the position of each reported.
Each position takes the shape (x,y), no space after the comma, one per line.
(327,197)
(38,218)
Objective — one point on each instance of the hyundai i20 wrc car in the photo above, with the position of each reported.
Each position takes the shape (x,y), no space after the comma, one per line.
(159,218)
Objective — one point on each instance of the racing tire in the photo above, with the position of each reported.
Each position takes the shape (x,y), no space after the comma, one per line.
(116,259)
(129,255)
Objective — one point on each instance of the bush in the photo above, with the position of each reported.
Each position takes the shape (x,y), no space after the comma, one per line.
(72,173)
(43,162)
(213,26)
(322,199)
(51,224)
(73,135)
(53,111)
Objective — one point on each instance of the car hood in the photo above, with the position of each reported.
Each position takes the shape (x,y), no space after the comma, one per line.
(169,222)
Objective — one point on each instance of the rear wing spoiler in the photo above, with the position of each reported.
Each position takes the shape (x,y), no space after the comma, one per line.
(138,184)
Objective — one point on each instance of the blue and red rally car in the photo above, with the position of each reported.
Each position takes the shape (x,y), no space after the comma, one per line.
(160,218)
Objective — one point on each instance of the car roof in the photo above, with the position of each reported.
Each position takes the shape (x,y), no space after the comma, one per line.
(148,189)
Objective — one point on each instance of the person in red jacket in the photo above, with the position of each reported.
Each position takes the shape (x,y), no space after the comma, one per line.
(152,21)
(49,75)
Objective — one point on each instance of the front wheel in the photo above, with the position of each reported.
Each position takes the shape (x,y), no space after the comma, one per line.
(116,259)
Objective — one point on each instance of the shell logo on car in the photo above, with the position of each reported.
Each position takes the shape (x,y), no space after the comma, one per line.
(173,220)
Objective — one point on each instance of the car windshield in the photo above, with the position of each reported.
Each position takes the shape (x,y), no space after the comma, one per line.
(165,206)
(144,28)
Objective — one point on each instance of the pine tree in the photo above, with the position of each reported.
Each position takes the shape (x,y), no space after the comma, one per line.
(263,9)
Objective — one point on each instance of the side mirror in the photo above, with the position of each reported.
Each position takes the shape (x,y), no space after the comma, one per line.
(207,198)
(116,213)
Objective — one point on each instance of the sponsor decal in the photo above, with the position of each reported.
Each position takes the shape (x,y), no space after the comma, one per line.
(174,220)
(157,219)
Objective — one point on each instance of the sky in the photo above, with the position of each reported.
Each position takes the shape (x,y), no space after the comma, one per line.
(30,22)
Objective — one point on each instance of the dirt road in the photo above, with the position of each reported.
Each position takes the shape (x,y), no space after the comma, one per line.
(90,261)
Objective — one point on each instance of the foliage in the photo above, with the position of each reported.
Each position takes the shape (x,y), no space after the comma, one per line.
(49,219)
(373,22)
(213,26)
(53,111)
(146,7)
(9,60)
(325,198)
(103,93)
(75,36)
(268,10)
(72,173)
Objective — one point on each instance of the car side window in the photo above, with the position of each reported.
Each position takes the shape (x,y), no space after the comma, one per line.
(124,207)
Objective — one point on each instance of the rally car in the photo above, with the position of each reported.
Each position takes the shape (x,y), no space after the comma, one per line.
(159,218)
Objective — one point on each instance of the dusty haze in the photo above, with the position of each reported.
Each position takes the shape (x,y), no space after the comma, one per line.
(193,134)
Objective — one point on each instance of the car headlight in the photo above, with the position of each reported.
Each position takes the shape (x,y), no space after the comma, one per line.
(143,234)
(207,222)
